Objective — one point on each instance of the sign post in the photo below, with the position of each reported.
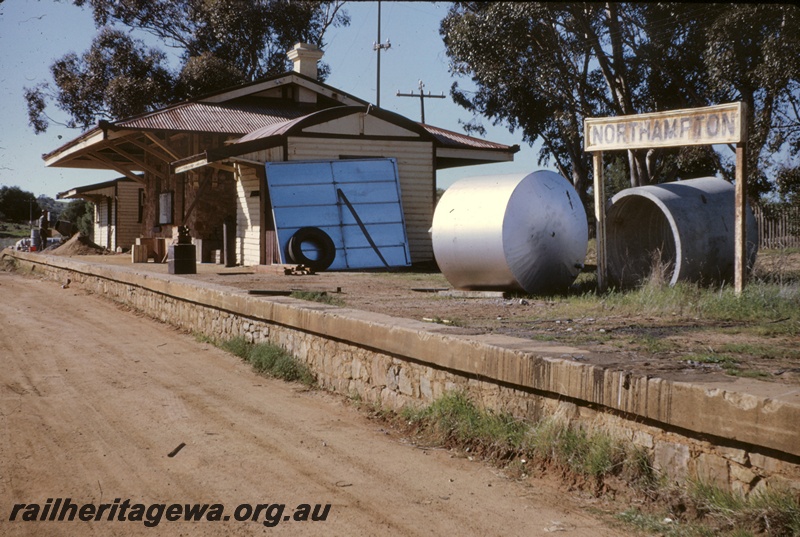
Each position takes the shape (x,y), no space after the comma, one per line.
(600,217)
(740,252)
(711,125)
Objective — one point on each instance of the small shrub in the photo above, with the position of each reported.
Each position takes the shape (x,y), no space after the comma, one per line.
(287,367)
(263,357)
(593,454)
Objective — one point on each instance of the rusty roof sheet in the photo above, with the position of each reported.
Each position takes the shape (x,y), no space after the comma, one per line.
(234,117)
(456,140)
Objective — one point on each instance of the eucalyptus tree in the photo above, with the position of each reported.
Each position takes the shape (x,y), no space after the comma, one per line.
(543,67)
(751,55)
(217,43)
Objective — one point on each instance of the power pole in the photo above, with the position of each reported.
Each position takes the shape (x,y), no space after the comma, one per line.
(378,47)
(422,98)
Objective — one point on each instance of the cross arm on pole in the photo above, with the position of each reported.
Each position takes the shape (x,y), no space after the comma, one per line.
(422,98)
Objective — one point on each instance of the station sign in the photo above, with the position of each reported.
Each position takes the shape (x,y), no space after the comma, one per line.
(721,124)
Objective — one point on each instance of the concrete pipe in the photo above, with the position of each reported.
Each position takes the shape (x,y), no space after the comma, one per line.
(519,232)
(685,230)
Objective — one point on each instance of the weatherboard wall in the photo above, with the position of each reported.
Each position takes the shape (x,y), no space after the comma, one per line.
(248,222)
(104,223)
(248,206)
(128,224)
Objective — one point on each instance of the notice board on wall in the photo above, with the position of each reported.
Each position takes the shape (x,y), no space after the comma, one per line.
(356,202)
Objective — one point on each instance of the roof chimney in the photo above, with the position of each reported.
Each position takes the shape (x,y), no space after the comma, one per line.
(305,57)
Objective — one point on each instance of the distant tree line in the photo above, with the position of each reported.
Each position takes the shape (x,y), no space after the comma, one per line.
(18,206)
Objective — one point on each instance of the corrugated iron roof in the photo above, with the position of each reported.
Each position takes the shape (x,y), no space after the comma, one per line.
(275,129)
(250,115)
(234,117)
(444,138)
(456,140)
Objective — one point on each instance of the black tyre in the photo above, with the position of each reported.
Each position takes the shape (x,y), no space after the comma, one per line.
(320,240)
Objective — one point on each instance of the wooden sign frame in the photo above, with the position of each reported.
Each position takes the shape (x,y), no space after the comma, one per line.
(711,125)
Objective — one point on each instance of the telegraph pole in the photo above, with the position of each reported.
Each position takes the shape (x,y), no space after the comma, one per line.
(422,98)
(378,47)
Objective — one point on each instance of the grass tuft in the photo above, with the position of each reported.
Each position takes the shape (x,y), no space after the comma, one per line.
(318,296)
(455,421)
(238,346)
(270,360)
(772,511)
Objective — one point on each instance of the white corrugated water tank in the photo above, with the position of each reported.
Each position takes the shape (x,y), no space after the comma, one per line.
(517,232)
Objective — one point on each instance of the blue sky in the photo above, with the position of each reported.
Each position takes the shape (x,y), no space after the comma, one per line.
(34,33)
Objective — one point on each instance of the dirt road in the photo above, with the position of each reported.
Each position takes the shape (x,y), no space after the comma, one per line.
(94,399)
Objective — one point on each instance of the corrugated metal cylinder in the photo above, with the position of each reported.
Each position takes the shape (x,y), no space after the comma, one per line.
(518,232)
(685,229)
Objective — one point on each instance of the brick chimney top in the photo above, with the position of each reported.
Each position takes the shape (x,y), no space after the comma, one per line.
(305,57)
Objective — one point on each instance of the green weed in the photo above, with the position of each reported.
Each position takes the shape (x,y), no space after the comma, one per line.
(454,420)
(270,360)
(653,344)
(238,346)
(774,307)
(761,351)
(748,373)
(772,511)
(318,296)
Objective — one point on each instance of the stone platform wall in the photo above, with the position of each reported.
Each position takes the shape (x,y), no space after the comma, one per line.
(738,439)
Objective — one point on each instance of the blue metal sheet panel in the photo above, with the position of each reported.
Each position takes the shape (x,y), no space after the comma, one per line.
(299,173)
(382,234)
(303,195)
(362,170)
(307,193)
(380,213)
(291,218)
(361,194)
